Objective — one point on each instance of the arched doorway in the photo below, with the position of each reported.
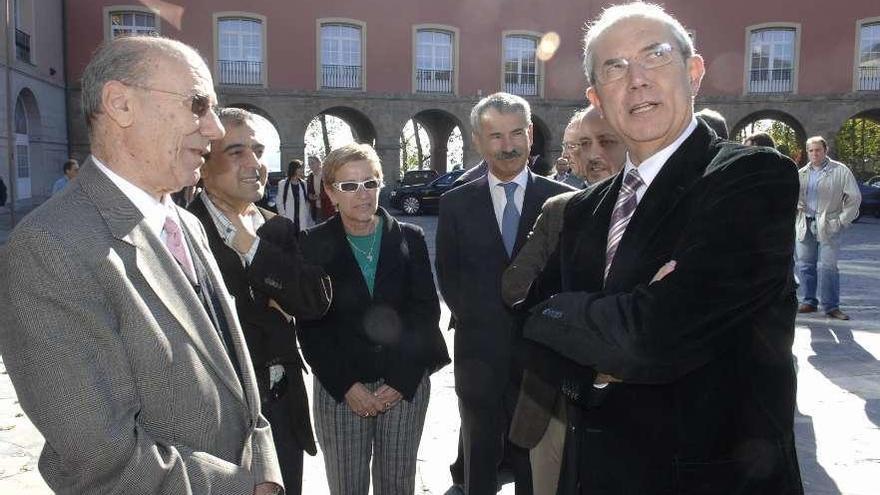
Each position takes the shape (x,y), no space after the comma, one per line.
(337,126)
(25,122)
(857,144)
(444,136)
(786,131)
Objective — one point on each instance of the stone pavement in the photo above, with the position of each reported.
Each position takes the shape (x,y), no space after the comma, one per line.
(837,425)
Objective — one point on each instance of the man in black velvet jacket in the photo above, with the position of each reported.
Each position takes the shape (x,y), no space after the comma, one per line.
(702,390)
(259,257)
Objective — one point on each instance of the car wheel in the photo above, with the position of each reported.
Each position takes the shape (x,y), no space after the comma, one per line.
(411,205)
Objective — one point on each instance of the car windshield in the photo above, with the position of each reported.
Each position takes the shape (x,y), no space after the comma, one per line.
(445,179)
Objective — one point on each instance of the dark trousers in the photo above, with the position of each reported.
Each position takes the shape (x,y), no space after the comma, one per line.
(484,443)
(290,454)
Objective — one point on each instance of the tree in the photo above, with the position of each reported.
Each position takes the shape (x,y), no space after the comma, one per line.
(858,146)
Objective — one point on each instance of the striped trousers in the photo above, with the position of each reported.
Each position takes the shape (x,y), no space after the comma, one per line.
(391,439)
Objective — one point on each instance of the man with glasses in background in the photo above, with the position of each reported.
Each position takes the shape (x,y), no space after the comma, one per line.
(117,330)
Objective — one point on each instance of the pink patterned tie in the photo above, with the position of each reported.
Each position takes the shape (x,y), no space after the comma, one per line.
(174,241)
(623,211)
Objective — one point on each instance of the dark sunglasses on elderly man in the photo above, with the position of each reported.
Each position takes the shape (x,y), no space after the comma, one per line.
(199,103)
(350,186)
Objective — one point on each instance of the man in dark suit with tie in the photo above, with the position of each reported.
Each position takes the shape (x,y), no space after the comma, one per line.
(117,330)
(481,226)
(259,257)
(703,390)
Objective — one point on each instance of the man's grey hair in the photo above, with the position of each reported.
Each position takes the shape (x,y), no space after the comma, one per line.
(502,103)
(235,117)
(635,10)
(129,60)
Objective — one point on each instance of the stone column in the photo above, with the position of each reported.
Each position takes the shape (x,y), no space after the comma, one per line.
(389,154)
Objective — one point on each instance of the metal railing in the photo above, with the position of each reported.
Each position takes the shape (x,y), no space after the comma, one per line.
(240,72)
(869,78)
(522,83)
(341,76)
(770,81)
(22,46)
(433,81)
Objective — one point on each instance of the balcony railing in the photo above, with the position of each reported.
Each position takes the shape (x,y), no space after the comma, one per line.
(240,72)
(433,81)
(869,78)
(22,46)
(341,76)
(770,81)
(523,84)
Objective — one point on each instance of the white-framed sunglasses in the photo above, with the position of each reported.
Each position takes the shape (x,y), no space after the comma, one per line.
(350,186)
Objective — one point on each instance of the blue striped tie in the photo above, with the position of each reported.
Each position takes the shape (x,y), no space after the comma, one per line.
(623,211)
(509,218)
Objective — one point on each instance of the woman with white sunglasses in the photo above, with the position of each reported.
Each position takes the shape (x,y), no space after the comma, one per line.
(373,351)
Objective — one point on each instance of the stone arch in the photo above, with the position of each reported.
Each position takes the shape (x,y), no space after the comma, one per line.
(771,114)
(32,112)
(541,139)
(857,144)
(362,127)
(778,115)
(439,124)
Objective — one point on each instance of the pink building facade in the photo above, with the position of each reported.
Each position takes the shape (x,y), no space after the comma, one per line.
(379,64)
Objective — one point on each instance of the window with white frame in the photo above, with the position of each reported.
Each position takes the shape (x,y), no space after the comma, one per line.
(869,57)
(521,65)
(128,23)
(240,49)
(434,62)
(771,61)
(341,56)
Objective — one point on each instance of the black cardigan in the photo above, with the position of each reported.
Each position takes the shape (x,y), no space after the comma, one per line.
(394,334)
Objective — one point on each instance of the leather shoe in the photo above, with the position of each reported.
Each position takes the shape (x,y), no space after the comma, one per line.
(806,308)
(837,314)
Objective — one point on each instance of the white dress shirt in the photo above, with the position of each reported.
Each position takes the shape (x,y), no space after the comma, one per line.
(153,210)
(650,167)
(499,197)
(227,231)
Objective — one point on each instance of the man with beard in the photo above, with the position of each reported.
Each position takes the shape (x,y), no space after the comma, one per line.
(594,151)
(539,420)
(259,257)
(481,227)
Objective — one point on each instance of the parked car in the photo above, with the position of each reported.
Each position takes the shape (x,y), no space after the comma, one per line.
(414,200)
(417,177)
(870,198)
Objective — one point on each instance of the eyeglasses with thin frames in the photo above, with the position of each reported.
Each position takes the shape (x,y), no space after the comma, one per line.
(351,186)
(654,57)
(199,103)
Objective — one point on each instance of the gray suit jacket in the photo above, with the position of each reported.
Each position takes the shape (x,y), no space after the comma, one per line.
(115,360)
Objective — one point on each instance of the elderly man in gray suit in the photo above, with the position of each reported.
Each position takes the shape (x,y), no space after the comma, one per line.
(117,330)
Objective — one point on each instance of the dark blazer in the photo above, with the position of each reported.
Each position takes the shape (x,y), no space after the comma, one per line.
(277,272)
(393,334)
(470,260)
(708,393)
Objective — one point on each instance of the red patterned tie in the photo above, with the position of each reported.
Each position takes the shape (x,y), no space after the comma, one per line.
(623,211)
(174,242)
